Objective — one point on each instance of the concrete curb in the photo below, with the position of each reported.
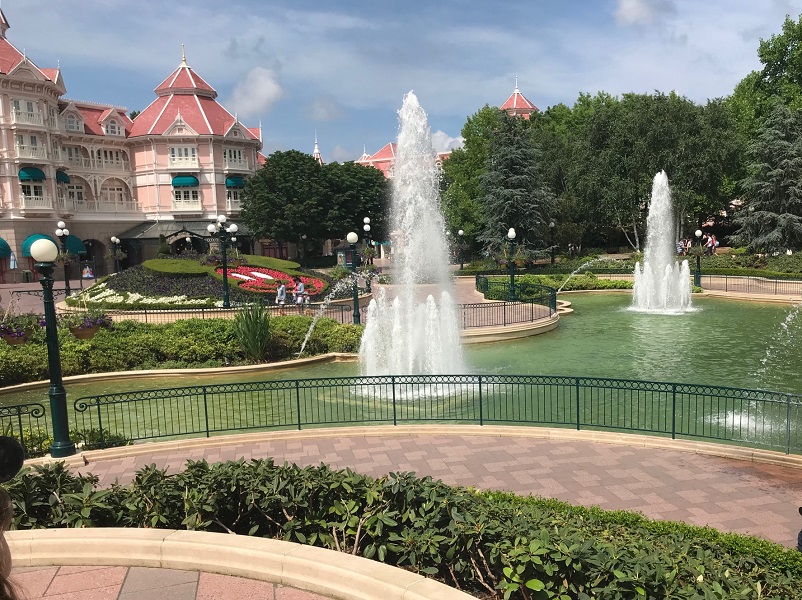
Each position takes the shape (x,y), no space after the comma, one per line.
(588,436)
(325,572)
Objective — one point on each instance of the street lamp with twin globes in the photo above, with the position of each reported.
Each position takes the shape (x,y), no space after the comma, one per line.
(226,236)
(63,233)
(352,238)
(511,263)
(45,252)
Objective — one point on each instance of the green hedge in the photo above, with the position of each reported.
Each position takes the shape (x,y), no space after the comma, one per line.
(270,263)
(177,267)
(487,544)
(190,343)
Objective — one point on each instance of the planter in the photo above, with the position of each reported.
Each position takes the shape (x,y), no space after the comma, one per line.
(15,340)
(84,333)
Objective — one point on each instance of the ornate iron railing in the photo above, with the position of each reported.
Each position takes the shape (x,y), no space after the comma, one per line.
(528,293)
(29,424)
(755,418)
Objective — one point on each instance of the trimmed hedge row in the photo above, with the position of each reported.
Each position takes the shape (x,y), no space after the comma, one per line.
(484,543)
(190,343)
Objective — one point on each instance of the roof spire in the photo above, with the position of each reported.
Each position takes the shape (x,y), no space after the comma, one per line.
(183,57)
(516,83)
(3,23)
(316,152)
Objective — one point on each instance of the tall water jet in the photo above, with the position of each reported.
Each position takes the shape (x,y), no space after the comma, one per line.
(413,328)
(662,285)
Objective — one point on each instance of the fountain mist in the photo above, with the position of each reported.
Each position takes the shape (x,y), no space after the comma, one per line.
(662,285)
(409,331)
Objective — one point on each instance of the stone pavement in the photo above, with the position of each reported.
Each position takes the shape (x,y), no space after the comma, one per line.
(728,494)
(143,583)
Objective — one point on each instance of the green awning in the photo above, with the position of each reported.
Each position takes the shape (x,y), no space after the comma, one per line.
(75,245)
(5,249)
(235,181)
(31,174)
(28,242)
(185,181)
(62,177)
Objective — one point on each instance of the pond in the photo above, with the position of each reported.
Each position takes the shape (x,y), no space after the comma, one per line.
(723,343)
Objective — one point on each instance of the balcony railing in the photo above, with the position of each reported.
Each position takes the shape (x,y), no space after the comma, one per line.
(183,162)
(28,118)
(114,164)
(187,205)
(237,164)
(36,152)
(109,205)
(79,161)
(27,202)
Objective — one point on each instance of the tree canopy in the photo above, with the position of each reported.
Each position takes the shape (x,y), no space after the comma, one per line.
(292,195)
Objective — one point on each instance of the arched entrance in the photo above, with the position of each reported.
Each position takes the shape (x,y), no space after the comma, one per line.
(95,258)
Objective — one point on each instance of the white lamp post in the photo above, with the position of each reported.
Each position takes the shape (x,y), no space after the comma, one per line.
(63,233)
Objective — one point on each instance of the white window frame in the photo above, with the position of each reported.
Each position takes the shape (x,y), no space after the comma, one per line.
(113,128)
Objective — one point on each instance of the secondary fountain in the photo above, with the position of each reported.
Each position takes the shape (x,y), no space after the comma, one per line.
(413,327)
(662,285)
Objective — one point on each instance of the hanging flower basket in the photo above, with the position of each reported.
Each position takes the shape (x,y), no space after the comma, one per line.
(15,340)
(84,333)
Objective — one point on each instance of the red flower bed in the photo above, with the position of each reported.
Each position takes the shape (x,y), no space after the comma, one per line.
(312,285)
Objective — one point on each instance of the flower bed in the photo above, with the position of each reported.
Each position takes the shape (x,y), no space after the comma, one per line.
(265,281)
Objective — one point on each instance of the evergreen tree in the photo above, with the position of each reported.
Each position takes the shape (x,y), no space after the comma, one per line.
(513,192)
(771,220)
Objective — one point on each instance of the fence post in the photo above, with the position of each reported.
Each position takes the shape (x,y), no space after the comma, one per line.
(504,318)
(481,413)
(578,419)
(788,423)
(673,411)
(206,411)
(99,424)
(776,281)
(298,401)
(395,416)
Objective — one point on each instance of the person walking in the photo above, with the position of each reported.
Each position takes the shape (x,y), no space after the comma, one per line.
(281,296)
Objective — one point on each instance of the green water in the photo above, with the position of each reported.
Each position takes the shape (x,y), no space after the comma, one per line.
(722,343)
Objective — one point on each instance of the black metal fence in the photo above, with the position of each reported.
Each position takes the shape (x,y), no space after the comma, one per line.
(530,293)
(755,418)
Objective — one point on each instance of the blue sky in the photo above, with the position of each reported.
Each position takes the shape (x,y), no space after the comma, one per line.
(341,68)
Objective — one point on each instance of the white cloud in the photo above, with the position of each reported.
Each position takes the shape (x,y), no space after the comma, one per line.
(324,109)
(633,12)
(441,141)
(256,94)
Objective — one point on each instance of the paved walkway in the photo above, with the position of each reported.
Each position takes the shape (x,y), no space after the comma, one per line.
(143,583)
(732,495)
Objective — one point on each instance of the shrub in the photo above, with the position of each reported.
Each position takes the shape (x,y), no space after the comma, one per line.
(252,330)
(176,267)
(489,544)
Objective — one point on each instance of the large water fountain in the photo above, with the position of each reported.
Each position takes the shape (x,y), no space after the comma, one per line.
(412,326)
(662,285)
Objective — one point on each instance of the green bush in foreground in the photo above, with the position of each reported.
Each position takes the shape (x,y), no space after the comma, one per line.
(483,543)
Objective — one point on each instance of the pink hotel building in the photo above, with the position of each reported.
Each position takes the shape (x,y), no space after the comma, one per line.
(176,166)
(181,162)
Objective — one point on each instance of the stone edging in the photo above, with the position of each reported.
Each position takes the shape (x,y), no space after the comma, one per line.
(326,572)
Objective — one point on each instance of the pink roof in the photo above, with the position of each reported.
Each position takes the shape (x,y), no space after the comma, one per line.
(261,159)
(386,153)
(10,57)
(185,81)
(517,104)
(256,132)
(51,74)
(94,117)
(184,93)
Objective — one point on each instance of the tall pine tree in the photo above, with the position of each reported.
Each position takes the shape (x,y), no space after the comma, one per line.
(772,218)
(513,192)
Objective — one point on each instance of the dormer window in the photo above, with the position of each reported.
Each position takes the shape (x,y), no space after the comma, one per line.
(113,128)
(73,123)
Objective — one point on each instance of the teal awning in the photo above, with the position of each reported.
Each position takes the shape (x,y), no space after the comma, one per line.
(5,249)
(62,177)
(31,174)
(185,181)
(28,242)
(235,181)
(75,245)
